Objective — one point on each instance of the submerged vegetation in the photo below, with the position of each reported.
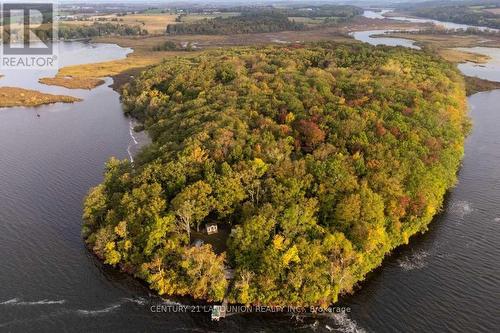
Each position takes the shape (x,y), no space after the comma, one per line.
(319,159)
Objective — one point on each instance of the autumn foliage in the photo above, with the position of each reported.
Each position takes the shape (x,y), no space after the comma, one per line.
(319,160)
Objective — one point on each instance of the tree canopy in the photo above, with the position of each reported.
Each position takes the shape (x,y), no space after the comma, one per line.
(320,159)
(247,22)
(98,29)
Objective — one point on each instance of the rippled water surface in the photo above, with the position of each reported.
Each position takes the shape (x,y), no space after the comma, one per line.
(447,280)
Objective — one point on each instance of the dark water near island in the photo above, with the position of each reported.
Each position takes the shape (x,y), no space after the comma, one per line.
(447,280)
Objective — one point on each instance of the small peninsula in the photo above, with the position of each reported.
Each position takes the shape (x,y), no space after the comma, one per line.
(71,82)
(13,96)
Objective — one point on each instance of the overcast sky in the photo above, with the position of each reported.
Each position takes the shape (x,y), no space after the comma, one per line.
(242,2)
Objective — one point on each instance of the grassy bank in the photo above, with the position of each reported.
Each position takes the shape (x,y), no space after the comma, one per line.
(474,85)
(71,82)
(88,76)
(445,45)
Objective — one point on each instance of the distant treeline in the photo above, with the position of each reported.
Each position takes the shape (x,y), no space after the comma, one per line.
(346,11)
(173,46)
(67,32)
(294,10)
(441,31)
(459,14)
(99,29)
(247,22)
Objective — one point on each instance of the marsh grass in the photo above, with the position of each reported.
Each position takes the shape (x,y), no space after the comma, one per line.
(10,97)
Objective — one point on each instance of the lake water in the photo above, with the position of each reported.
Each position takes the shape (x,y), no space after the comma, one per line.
(489,71)
(446,25)
(444,281)
(367,37)
(448,279)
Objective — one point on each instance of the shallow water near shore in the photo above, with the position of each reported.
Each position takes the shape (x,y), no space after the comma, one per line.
(370,38)
(445,280)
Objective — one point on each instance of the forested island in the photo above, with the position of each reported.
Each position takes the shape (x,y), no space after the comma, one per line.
(317,160)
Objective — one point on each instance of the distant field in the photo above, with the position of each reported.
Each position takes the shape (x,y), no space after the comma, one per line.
(307,20)
(153,22)
(196,17)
